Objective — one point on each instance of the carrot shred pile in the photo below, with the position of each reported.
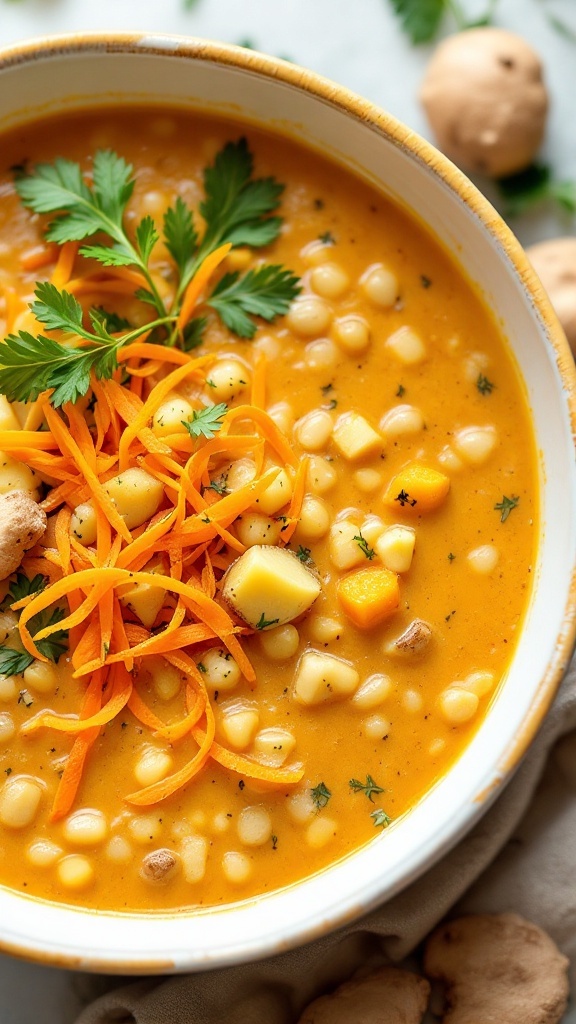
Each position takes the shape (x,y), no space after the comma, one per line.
(184,548)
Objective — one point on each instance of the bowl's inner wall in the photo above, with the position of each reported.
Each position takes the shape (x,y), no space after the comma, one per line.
(50,83)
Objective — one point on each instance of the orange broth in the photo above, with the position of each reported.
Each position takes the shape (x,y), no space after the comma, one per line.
(473,606)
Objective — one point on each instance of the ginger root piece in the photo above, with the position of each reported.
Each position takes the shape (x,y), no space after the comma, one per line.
(22,523)
(415,638)
(387,996)
(486,100)
(498,967)
(555,263)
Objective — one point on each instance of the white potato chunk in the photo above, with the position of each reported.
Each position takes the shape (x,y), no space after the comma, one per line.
(395,548)
(476,444)
(15,476)
(276,495)
(344,548)
(136,494)
(322,678)
(8,418)
(269,586)
(83,523)
(239,724)
(144,599)
(169,417)
(354,437)
(407,346)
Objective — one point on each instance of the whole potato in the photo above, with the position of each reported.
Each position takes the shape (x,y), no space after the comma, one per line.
(486,100)
(555,263)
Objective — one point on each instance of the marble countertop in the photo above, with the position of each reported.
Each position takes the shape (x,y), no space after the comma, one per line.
(359,44)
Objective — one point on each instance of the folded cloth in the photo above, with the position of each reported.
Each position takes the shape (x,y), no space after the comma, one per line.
(533,829)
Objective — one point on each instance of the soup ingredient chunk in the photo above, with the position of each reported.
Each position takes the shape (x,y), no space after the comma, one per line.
(269,586)
(22,523)
(498,967)
(369,596)
(387,996)
(486,100)
(555,263)
(417,487)
(322,678)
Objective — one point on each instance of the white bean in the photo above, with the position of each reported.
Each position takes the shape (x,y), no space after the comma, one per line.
(458,706)
(236,867)
(228,378)
(407,346)
(476,444)
(320,831)
(118,850)
(194,854)
(329,280)
(314,521)
(321,354)
(314,430)
(43,853)
(402,421)
(19,801)
(321,475)
(254,826)
(309,316)
(352,334)
(281,643)
(380,285)
(376,727)
(483,559)
(8,688)
(7,727)
(253,528)
(87,827)
(75,872)
(152,766)
(373,691)
(219,669)
(41,676)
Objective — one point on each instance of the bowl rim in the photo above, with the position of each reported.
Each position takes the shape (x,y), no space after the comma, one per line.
(445,172)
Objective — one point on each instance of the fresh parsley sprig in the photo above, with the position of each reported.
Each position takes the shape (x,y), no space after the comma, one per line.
(83,211)
(369,787)
(31,364)
(237,208)
(206,422)
(14,662)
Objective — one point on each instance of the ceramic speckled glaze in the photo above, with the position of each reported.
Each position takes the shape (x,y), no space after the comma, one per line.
(68,73)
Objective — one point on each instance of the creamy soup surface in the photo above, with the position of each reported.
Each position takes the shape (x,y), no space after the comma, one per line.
(413,520)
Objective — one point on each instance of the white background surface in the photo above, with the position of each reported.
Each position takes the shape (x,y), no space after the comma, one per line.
(357,43)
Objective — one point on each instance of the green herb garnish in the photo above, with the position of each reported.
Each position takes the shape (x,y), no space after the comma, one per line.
(320,795)
(263,622)
(364,546)
(505,506)
(485,386)
(206,422)
(421,19)
(237,209)
(369,787)
(380,818)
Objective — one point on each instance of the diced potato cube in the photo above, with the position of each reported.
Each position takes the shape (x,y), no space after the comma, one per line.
(273,746)
(354,437)
(16,476)
(395,548)
(136,494)
(322,678)
(407,346)
(8,418)
(83,523)
(345,551)
(371,529)
(276,495)
(269,586)
(417,488)
(144,600)
(368,596)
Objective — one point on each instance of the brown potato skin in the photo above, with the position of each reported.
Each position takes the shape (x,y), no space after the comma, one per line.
(486,101)
(555,263)
(387,996)
(22,524)
(498,968)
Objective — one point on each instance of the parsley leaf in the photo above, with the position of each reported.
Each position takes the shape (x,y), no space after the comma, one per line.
(265,292)
(304,555)
(320,795)
(113,322)
(55,645)
(22,587)
(180,235)
(505,506)
(192,334)
(236,205)
(533,186)
(206,422)
(30,365)
(13,663)
(83,211)
(369,787)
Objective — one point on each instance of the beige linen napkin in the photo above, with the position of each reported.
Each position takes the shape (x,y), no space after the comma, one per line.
(533,874)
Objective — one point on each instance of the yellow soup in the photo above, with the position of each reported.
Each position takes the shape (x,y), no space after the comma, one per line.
(282,574)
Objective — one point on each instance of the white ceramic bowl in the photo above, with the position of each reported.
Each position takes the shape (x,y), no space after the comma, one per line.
(74,72)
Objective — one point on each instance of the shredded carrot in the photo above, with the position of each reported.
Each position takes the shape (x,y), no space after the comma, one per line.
(121,689)
(199,282)
(72,774)
(65,264)
(38,257)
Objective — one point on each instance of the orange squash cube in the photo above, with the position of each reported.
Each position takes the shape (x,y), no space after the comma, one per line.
(368,596)
(417,488)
